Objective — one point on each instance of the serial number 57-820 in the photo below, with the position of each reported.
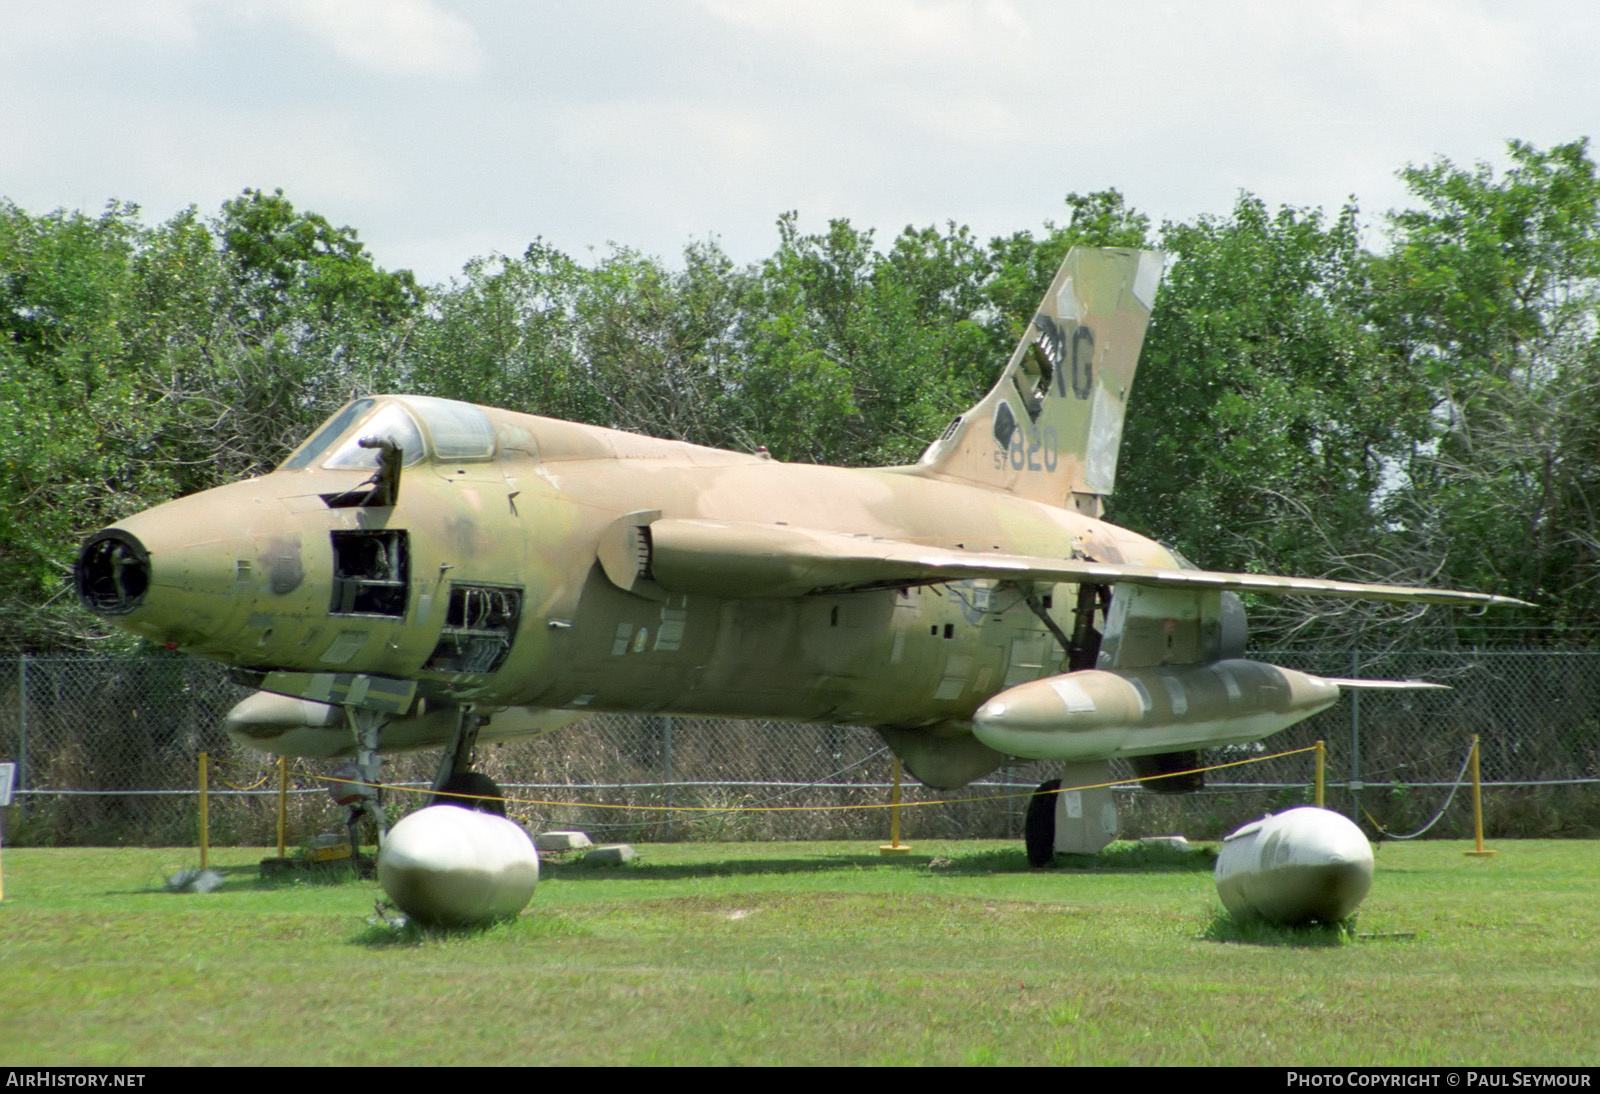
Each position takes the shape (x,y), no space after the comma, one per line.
(1037,452)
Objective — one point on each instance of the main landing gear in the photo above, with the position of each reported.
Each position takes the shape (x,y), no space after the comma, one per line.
(1039,829)
(456,783)
(471,790)
(1078,820)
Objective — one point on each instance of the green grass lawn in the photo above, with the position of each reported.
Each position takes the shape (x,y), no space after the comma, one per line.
(806,953)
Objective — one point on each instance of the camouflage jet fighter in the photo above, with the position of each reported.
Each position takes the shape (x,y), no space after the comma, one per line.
(424,572)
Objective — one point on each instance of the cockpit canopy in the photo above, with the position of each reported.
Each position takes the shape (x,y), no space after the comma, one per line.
(420,426)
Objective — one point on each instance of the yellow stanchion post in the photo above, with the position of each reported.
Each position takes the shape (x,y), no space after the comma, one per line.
(7,771)
(894,846)
(283,802)
(205,820)
(1477,806)
(1322,761)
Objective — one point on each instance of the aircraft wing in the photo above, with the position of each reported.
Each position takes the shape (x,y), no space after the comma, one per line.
(730,559)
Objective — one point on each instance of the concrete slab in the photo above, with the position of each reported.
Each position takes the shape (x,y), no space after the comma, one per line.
(564,840)
(612,854)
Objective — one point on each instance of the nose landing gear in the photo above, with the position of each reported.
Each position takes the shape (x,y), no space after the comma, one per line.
(357,788)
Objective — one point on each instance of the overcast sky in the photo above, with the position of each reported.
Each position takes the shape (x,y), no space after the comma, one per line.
(445,129)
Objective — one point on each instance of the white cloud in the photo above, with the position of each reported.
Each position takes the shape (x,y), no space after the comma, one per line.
(883,33)
(68,23)
(315,155)
(1419,40)
(976,122)
(654,160)
(388,37)
(651,123)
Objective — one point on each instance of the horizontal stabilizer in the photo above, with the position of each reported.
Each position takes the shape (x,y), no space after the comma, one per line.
(1385,685)
(736,560)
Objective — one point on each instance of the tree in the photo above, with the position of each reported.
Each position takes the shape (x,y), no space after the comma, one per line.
(504,335)
(76,425)
(1490,292)
(257,324)
(303,320)
(659,348)
(138,363)
(1023,266)
(1266,412)
(861,357)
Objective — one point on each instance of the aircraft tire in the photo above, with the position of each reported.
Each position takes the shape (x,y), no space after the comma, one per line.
(487,797)
(1039,830)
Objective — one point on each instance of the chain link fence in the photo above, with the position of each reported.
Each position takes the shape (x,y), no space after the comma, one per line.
(107,752)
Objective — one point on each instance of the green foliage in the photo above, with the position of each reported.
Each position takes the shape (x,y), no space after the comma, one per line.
(502,336)
(284,260)
(1024,265)
(658,347)
(1303,406)
(858,357)
(1265,409)
(77,426)
(305,321)
(138,363)
(1490,293)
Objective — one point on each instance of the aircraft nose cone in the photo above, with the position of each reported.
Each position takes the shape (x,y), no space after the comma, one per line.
(191,573)
(112,574)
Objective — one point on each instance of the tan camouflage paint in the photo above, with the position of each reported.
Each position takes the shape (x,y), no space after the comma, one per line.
(661,576)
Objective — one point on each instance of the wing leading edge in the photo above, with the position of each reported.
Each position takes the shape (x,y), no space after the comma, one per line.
(731,559)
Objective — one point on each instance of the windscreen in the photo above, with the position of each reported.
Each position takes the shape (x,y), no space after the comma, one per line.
(336,444)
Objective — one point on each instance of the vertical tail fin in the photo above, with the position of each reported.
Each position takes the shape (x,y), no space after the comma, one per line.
(1050,430)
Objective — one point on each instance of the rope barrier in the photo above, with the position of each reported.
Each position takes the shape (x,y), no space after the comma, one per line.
(1455,786)
(258,783)
(509,800)
(280,768)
